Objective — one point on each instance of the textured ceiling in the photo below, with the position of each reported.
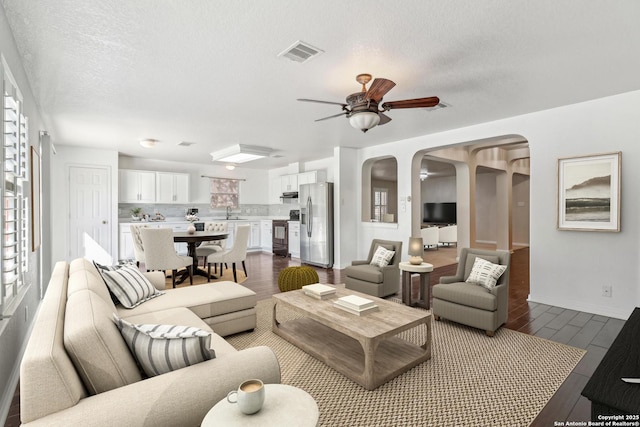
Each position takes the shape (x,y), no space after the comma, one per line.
(109,73)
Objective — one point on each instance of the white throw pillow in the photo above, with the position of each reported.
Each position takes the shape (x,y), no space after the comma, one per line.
(164,348)
(485,273)
(129,285)
(382,257)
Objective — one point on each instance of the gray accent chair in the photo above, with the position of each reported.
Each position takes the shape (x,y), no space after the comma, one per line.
(363,277)
(472,304)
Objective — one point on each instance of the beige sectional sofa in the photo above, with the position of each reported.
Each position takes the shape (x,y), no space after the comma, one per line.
(78,370)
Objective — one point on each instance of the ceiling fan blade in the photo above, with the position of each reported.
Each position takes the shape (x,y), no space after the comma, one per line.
(378,89)
(322,102)
(412,103)
(331,117)
(384,119)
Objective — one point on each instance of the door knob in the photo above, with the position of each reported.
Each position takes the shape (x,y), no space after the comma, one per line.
(104,221)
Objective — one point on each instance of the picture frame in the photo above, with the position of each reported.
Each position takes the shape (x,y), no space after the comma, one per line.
(588,196)
(35,200)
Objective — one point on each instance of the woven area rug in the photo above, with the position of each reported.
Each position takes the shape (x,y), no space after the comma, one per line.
(470,380)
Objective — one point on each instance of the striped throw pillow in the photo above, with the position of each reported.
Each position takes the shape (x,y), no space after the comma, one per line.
(485,273)
(129,285)
(164,348)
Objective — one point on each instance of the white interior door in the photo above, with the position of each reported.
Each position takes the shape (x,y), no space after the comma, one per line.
(89,195)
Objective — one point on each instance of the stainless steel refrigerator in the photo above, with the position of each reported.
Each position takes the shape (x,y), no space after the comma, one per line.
(316,224)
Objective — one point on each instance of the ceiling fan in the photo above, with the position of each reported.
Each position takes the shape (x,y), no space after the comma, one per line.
(363,109)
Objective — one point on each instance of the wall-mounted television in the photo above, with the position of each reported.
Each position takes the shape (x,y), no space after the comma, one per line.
(442,213)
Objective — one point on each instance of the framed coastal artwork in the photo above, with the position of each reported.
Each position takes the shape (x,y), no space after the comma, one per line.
(589,192)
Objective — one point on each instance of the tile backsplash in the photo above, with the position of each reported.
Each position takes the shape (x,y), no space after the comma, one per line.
(177,211)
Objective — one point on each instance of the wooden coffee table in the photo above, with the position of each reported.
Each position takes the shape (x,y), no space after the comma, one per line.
(362,348)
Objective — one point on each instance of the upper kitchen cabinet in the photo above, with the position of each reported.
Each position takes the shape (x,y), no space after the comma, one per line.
(289,183)
(137,186)
(311,177)
(172,187)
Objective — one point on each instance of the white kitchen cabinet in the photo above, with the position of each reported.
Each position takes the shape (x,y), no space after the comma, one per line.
(265,235)
(137,186)
(254,237)
(294,239)
(172,187)
(311,177)
(125,246)
(289,183)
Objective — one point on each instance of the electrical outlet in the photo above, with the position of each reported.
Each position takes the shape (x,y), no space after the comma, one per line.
(606,291)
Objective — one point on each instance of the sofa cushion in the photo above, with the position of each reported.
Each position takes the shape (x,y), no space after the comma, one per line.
(95,345)
(471,258)
(84,276)
(208,300)
(467,294)
(164,348)
(485,273)
(382,257)
(366,272)
(130,286)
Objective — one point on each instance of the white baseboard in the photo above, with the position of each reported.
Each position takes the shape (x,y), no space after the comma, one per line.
(616,313)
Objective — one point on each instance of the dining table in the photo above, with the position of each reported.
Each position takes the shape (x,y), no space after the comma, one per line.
(192,240)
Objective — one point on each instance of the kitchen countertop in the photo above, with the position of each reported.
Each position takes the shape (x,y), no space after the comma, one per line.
(176,220)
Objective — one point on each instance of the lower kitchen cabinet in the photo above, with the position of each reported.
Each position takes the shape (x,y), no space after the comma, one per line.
(266,242)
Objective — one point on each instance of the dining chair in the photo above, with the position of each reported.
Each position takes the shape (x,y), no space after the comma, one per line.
(160,253)
(237,253)
(138,249)
(213,246)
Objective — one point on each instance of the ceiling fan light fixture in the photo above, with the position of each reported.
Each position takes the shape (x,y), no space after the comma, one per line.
(240,153)
(364,120)
(148,143)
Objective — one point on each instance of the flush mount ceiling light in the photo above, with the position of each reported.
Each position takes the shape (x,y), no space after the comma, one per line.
(148,143)
(230,166)
(240,153)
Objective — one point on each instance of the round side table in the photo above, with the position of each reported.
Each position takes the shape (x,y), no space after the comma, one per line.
(425,290)
(284,405)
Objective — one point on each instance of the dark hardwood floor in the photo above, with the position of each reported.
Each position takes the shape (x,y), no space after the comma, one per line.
(591,332)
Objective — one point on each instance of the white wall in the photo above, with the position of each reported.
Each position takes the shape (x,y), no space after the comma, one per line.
(14,330)
(568,268)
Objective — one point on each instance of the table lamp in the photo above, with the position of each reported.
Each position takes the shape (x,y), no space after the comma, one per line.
(416,249)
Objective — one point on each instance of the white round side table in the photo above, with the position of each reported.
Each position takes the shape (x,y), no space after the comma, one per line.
(284,405)
(425,290)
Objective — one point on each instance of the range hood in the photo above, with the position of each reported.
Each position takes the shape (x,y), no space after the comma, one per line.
(289,195)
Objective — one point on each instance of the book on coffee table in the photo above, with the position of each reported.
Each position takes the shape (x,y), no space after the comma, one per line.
(319,291)
(355,302)
(343,306)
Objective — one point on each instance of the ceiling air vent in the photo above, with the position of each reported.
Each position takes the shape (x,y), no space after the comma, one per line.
(300,52)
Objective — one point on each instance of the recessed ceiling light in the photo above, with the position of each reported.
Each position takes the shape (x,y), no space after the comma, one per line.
(230,166)
(148,143)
